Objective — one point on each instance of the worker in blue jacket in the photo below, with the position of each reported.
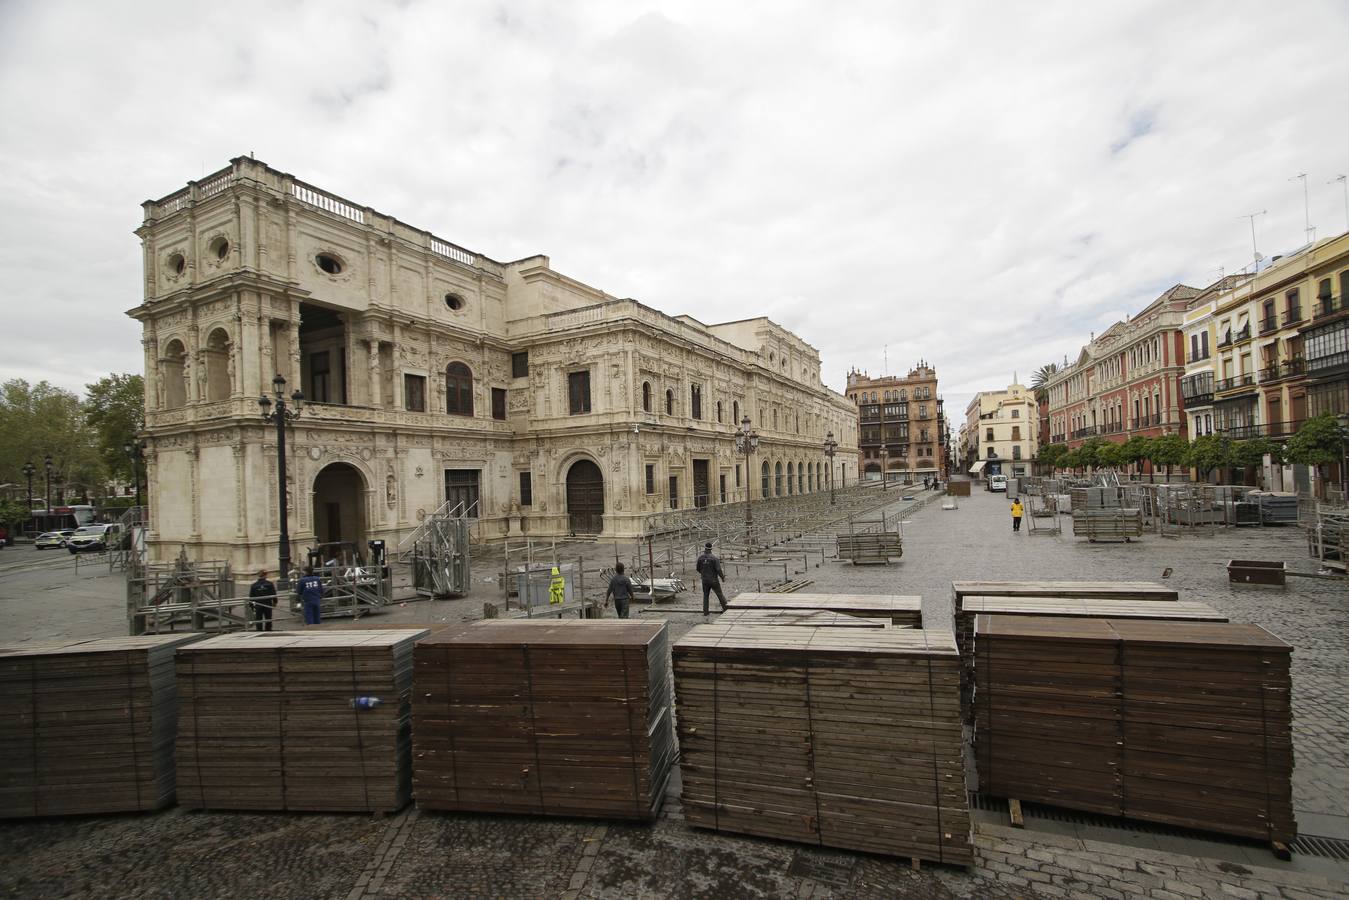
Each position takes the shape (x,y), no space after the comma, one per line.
(310,589)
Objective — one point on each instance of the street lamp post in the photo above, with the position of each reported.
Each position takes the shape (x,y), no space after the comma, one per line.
(746,442)
(885,474)
(136,453)
(280,416)
(47,500)
(29,470)
(830,447)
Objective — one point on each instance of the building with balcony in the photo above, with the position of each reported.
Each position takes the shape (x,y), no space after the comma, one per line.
(435,375)
(1002,430)
(902,424)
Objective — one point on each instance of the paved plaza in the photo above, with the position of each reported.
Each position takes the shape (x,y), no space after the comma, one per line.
(414,854)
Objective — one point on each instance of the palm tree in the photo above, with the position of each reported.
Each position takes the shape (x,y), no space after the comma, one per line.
(1040,379)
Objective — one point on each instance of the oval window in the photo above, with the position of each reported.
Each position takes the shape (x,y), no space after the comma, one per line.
(221,248)
(177,264)
(328,263)
(454,301)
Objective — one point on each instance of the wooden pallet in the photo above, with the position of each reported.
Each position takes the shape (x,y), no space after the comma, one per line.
(267,721)
(1113,590)
(870,548)
(545,717)
(790,587)
(841,737)
(1186,723)
(89,726)
(899,609)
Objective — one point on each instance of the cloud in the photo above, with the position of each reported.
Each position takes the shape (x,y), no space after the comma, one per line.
(977,185)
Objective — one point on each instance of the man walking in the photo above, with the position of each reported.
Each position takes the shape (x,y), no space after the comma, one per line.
(709,567)
(310,589)
(1017,512)
(620,588)
(261,602)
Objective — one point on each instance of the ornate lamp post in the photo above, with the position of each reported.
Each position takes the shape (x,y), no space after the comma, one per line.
(280,416)
(135,452)
(746,442)
(830,447)
(885,473)
(47,500)
(29,470)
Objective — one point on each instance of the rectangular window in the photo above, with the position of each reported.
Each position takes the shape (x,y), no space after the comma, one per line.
(526,489)
(696,401)
(520,364)
(1016,432)
(674,492)
(578,391)
(414,393)
(650,479)
(988,434)
(319,374)
(1016,414)
(737,476)
(499,403)
(722,480)
(1203,345)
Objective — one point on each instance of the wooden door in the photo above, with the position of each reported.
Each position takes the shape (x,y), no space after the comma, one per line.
(701,483)
(585,498)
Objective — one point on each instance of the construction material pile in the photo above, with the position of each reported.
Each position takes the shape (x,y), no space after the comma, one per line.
(90,726)
(799,618)
(313,720)
(1099,515)
(898,610)
(847,738)
(549,717)
(1187,723)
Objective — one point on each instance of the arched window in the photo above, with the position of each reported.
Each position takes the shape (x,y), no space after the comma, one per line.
(669,402)
(810,478)
(173,375)
(458,389)
(801,478)
(791,469)
(735,413)
(718,412)
(646,396)
(764,492)
(777,480)
(218,368)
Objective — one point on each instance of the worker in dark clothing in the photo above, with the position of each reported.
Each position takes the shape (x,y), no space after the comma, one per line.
(261,602)
(310,589)
(709,567)
(620,588)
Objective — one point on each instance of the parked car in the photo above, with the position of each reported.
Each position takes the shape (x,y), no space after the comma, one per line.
(92,537)
(56,539)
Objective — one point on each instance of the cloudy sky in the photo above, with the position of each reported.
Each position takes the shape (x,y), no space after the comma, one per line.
(980,185)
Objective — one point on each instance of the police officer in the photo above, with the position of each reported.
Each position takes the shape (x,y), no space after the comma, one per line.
(261,602)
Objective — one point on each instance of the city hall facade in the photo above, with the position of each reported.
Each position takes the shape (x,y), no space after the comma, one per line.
(436,378)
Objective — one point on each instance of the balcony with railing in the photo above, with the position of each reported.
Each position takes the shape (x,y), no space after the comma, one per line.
(1328,306)
(1289,368)
(1235,384)
(1245,432)
(1203,398)
(1243,335)
(1293,316)
(1269,323)
(1320,364)
(1089,431)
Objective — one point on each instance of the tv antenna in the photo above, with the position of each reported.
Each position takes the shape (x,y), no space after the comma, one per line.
(1306,207)
(1344,183)
(1255,254)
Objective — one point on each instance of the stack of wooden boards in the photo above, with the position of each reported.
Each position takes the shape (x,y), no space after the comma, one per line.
(845,737)
(88,727)
(799,618)
(550,717)
(269,720)
(871,548)
(1187,723)
(899,610)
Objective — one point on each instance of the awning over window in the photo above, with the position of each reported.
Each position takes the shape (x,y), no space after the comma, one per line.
(978,467)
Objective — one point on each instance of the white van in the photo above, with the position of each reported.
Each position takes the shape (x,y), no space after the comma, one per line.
(997,483)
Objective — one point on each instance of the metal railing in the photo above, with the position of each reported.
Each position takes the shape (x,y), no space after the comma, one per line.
(1236,382)
(1268,324)
(1329,361)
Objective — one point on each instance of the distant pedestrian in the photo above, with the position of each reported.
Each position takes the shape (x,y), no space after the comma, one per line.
(310,589)
(709,567)
(620,588)
(261,602)
(1017,512)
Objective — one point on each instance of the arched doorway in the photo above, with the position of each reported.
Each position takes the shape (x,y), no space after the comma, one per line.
(218,365)
(585,497)
(339,506)
(173,367)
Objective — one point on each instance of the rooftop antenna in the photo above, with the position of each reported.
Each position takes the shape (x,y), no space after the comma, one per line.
(1344,183)
(886,351)
(1306,207)
(1255,254)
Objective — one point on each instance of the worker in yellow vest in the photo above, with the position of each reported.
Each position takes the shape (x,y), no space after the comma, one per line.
(1017,512)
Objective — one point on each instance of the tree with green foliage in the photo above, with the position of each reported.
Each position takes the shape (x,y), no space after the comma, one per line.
(37,420)
(1251,453)
(1072,460)
(1040,379)
(1089,454)
(115,410)
(1168,450)
(1110,455)
(1051,456)
(1319,442)
(1135,450)
(1209,452)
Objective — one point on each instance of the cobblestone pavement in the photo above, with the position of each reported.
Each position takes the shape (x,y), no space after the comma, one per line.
(414,854)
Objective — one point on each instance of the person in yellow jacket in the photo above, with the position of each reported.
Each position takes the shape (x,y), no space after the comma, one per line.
(1017,512)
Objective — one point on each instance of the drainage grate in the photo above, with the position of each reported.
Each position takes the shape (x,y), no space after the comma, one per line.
(835,870)
(1307,844)
(1324,847)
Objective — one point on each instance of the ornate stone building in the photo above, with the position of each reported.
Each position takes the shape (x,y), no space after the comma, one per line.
(903,425)
(433,375)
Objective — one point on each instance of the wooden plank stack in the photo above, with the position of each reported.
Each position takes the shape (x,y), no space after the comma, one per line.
(799,618)
(1188,723)
(545,717)
(871,548)
(268,721)
(900,610)
(1112,590)
(843,737)
(89,726)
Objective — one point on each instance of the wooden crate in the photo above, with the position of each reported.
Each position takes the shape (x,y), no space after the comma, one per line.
(1113,590)
(1187,723)
(268,721)
(846,738)
(872,548)
(900,610)
(89,728)
(545,717)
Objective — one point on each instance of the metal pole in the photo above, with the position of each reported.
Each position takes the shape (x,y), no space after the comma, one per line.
(283,551)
